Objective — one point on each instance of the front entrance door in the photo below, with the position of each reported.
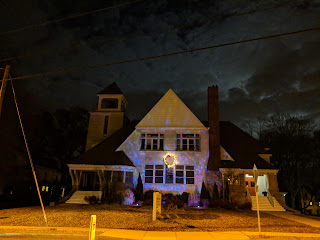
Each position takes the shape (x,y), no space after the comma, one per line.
(250,184)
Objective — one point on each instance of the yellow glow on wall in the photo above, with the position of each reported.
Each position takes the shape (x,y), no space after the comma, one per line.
(170,159)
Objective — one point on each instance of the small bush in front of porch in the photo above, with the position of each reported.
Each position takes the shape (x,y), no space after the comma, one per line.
(246,205)
(128,197)
(173,203)
(92,200)
(193,199)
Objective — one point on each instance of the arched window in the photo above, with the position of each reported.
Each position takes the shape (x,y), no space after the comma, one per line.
(109,103)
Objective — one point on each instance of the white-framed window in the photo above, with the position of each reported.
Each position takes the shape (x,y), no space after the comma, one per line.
(151,142)
(188,142)
(179,174)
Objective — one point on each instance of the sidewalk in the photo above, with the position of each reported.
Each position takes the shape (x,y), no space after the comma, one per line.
(297,218)
(148,235)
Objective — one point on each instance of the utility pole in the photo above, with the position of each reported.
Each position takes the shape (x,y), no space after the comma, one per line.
(256,174)
(3,85)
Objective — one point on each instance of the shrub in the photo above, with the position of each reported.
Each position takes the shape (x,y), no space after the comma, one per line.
(148,195)
(128,197)
(193,199)
(227,205)
(246,205)
(168,196)
(173,204)
(204,192)
(183,197)
(215,193)
(139,190)
(147,202)
(92,200)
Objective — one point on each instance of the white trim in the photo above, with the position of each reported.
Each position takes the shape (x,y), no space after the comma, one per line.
(174,170)
(250,171)
(170,128)
(90,167)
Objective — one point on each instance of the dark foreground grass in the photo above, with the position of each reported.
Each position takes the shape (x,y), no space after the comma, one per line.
(139,218)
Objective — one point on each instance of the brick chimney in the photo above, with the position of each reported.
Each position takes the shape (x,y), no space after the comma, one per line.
(214,132)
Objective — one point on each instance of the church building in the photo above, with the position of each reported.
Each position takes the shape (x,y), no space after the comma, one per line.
(172,150)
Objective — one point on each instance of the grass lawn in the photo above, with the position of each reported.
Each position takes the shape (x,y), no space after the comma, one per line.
(139,218)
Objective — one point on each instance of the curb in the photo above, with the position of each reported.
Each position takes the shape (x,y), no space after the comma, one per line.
(40,234)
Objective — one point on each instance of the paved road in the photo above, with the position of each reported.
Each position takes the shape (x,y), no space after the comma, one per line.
(76,237)
(52,237)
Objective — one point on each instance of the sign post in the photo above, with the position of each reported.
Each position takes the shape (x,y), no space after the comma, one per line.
(92,232)
(156,205)
(255,174)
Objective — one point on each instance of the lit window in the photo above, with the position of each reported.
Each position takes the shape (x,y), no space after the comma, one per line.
(148,173)
(189,174)
(154,174)
(188,142)
(252,184)
(179,174)
(151,142)
(169,174)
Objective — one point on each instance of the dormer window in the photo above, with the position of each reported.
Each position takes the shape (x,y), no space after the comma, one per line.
(151,142)
(188,142)
(109,103)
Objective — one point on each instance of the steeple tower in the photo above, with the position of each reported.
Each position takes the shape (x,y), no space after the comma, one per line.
(109,117)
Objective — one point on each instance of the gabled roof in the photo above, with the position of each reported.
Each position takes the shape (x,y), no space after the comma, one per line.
(242,147)
(170,111)
(111,89)
(105,152)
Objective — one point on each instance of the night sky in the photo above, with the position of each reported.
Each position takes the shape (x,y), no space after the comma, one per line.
(255,79)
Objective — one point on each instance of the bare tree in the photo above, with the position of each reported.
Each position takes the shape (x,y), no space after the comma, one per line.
(291,142)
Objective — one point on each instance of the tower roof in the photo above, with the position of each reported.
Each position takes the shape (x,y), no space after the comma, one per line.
(111,89)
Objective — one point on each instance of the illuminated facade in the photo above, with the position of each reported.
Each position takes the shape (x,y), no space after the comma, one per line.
(169,147)
(172,150)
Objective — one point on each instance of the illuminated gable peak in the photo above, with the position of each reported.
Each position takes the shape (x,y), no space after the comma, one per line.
(171,112)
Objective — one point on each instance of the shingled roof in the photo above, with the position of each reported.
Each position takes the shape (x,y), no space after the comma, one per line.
(111,89)
(105,152)
(242,147)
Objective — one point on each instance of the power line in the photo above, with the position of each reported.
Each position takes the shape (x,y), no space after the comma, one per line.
(64,18)
(133,36)
(163,55)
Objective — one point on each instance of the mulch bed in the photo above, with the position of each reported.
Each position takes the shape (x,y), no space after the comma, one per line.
(139,218)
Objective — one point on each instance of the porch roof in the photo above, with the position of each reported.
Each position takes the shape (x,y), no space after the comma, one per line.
(105,153)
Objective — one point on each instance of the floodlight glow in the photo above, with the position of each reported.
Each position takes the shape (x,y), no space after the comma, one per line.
(170,159)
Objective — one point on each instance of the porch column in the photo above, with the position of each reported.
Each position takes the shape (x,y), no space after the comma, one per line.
(77,177)
(273,183)
(72,177)
(223,187)
(101,177)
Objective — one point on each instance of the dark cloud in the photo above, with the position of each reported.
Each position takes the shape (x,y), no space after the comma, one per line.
(254,79)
